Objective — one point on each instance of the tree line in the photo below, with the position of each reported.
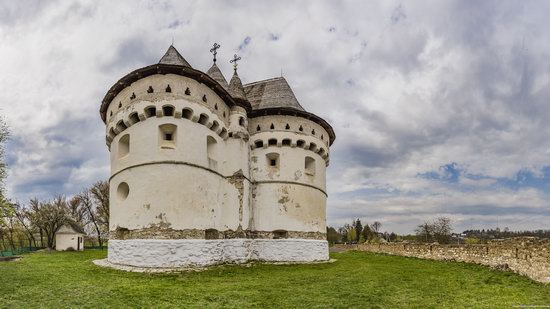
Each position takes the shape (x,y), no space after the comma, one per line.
(438,230)
(34,224)
(356,232)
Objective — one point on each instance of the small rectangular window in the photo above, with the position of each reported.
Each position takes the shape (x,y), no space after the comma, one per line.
(167,136)
(272,160)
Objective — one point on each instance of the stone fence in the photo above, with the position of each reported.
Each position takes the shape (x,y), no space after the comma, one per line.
(528,256)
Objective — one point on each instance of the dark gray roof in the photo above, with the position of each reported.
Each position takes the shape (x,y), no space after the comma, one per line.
(271,93)
(236,88)
(172,56)
(217,75)
(76,227)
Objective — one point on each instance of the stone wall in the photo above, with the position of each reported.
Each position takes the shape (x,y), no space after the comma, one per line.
(528,256)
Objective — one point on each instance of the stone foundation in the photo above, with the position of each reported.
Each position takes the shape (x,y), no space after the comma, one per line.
(175,253)
(528,256)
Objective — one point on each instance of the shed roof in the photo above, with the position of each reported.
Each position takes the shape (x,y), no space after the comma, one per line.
(77,228)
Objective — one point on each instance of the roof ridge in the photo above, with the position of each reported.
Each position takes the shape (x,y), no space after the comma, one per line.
(264,80)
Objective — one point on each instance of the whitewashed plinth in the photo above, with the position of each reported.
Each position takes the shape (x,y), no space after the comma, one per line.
(177,253)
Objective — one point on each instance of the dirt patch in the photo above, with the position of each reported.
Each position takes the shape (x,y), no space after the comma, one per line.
(10,258)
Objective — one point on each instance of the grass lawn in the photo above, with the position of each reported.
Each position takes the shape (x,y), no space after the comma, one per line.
(356,279)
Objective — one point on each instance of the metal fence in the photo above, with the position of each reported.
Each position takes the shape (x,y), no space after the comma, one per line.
(19,251)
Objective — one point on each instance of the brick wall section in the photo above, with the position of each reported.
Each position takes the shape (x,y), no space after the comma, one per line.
(528,256)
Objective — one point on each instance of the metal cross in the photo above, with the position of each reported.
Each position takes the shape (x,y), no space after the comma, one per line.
(234,61)
(214,50)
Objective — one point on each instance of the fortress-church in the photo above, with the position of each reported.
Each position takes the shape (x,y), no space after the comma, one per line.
(205,172)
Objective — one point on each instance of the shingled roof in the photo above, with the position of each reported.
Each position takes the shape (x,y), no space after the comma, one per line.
(172,56)
(271,93)
(236,89)
(217,75)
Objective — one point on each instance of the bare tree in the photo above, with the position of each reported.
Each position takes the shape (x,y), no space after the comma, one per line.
(376,226)
(77,212)
(442,230)
(87,203)
(424,232)
(439,230)
(7,220)
(4,135)
(49,217)
(100,194)
(24,216)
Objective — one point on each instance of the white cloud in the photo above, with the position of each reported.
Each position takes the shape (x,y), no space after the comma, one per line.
(408,87)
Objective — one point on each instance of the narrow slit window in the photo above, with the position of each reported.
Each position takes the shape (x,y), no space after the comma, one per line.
(187,91)
(168,89)
(241,121)
(310,166)
(124,145)
(212,152)
(287,127)
(258,128)
(150,89)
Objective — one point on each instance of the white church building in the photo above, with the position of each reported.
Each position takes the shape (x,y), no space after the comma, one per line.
(206,172)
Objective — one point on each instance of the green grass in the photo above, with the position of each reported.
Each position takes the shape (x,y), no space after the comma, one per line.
(356,279)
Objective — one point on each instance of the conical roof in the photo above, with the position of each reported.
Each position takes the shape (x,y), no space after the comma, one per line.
(217,75)
(236,89)
(271,93)
(173,57)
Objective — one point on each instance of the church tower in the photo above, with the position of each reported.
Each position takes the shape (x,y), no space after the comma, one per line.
(205,172)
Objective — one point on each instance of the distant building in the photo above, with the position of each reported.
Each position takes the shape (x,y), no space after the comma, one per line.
(70,237)
(205,172)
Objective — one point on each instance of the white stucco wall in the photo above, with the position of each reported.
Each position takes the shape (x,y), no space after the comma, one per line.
(195,252)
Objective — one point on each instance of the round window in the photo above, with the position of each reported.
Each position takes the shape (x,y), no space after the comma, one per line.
(123,190)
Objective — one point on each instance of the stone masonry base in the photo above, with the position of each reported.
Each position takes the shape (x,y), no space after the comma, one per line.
(174,253)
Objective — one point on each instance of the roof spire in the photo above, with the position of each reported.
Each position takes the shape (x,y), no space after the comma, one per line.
(173,57)
(234,61)
(214,50)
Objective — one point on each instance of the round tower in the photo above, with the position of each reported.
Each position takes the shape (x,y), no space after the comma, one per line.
(173,193)
(290,153)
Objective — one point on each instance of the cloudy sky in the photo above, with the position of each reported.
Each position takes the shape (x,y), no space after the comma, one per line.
(439,107)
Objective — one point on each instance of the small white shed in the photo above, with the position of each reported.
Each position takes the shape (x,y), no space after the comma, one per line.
(70,235)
